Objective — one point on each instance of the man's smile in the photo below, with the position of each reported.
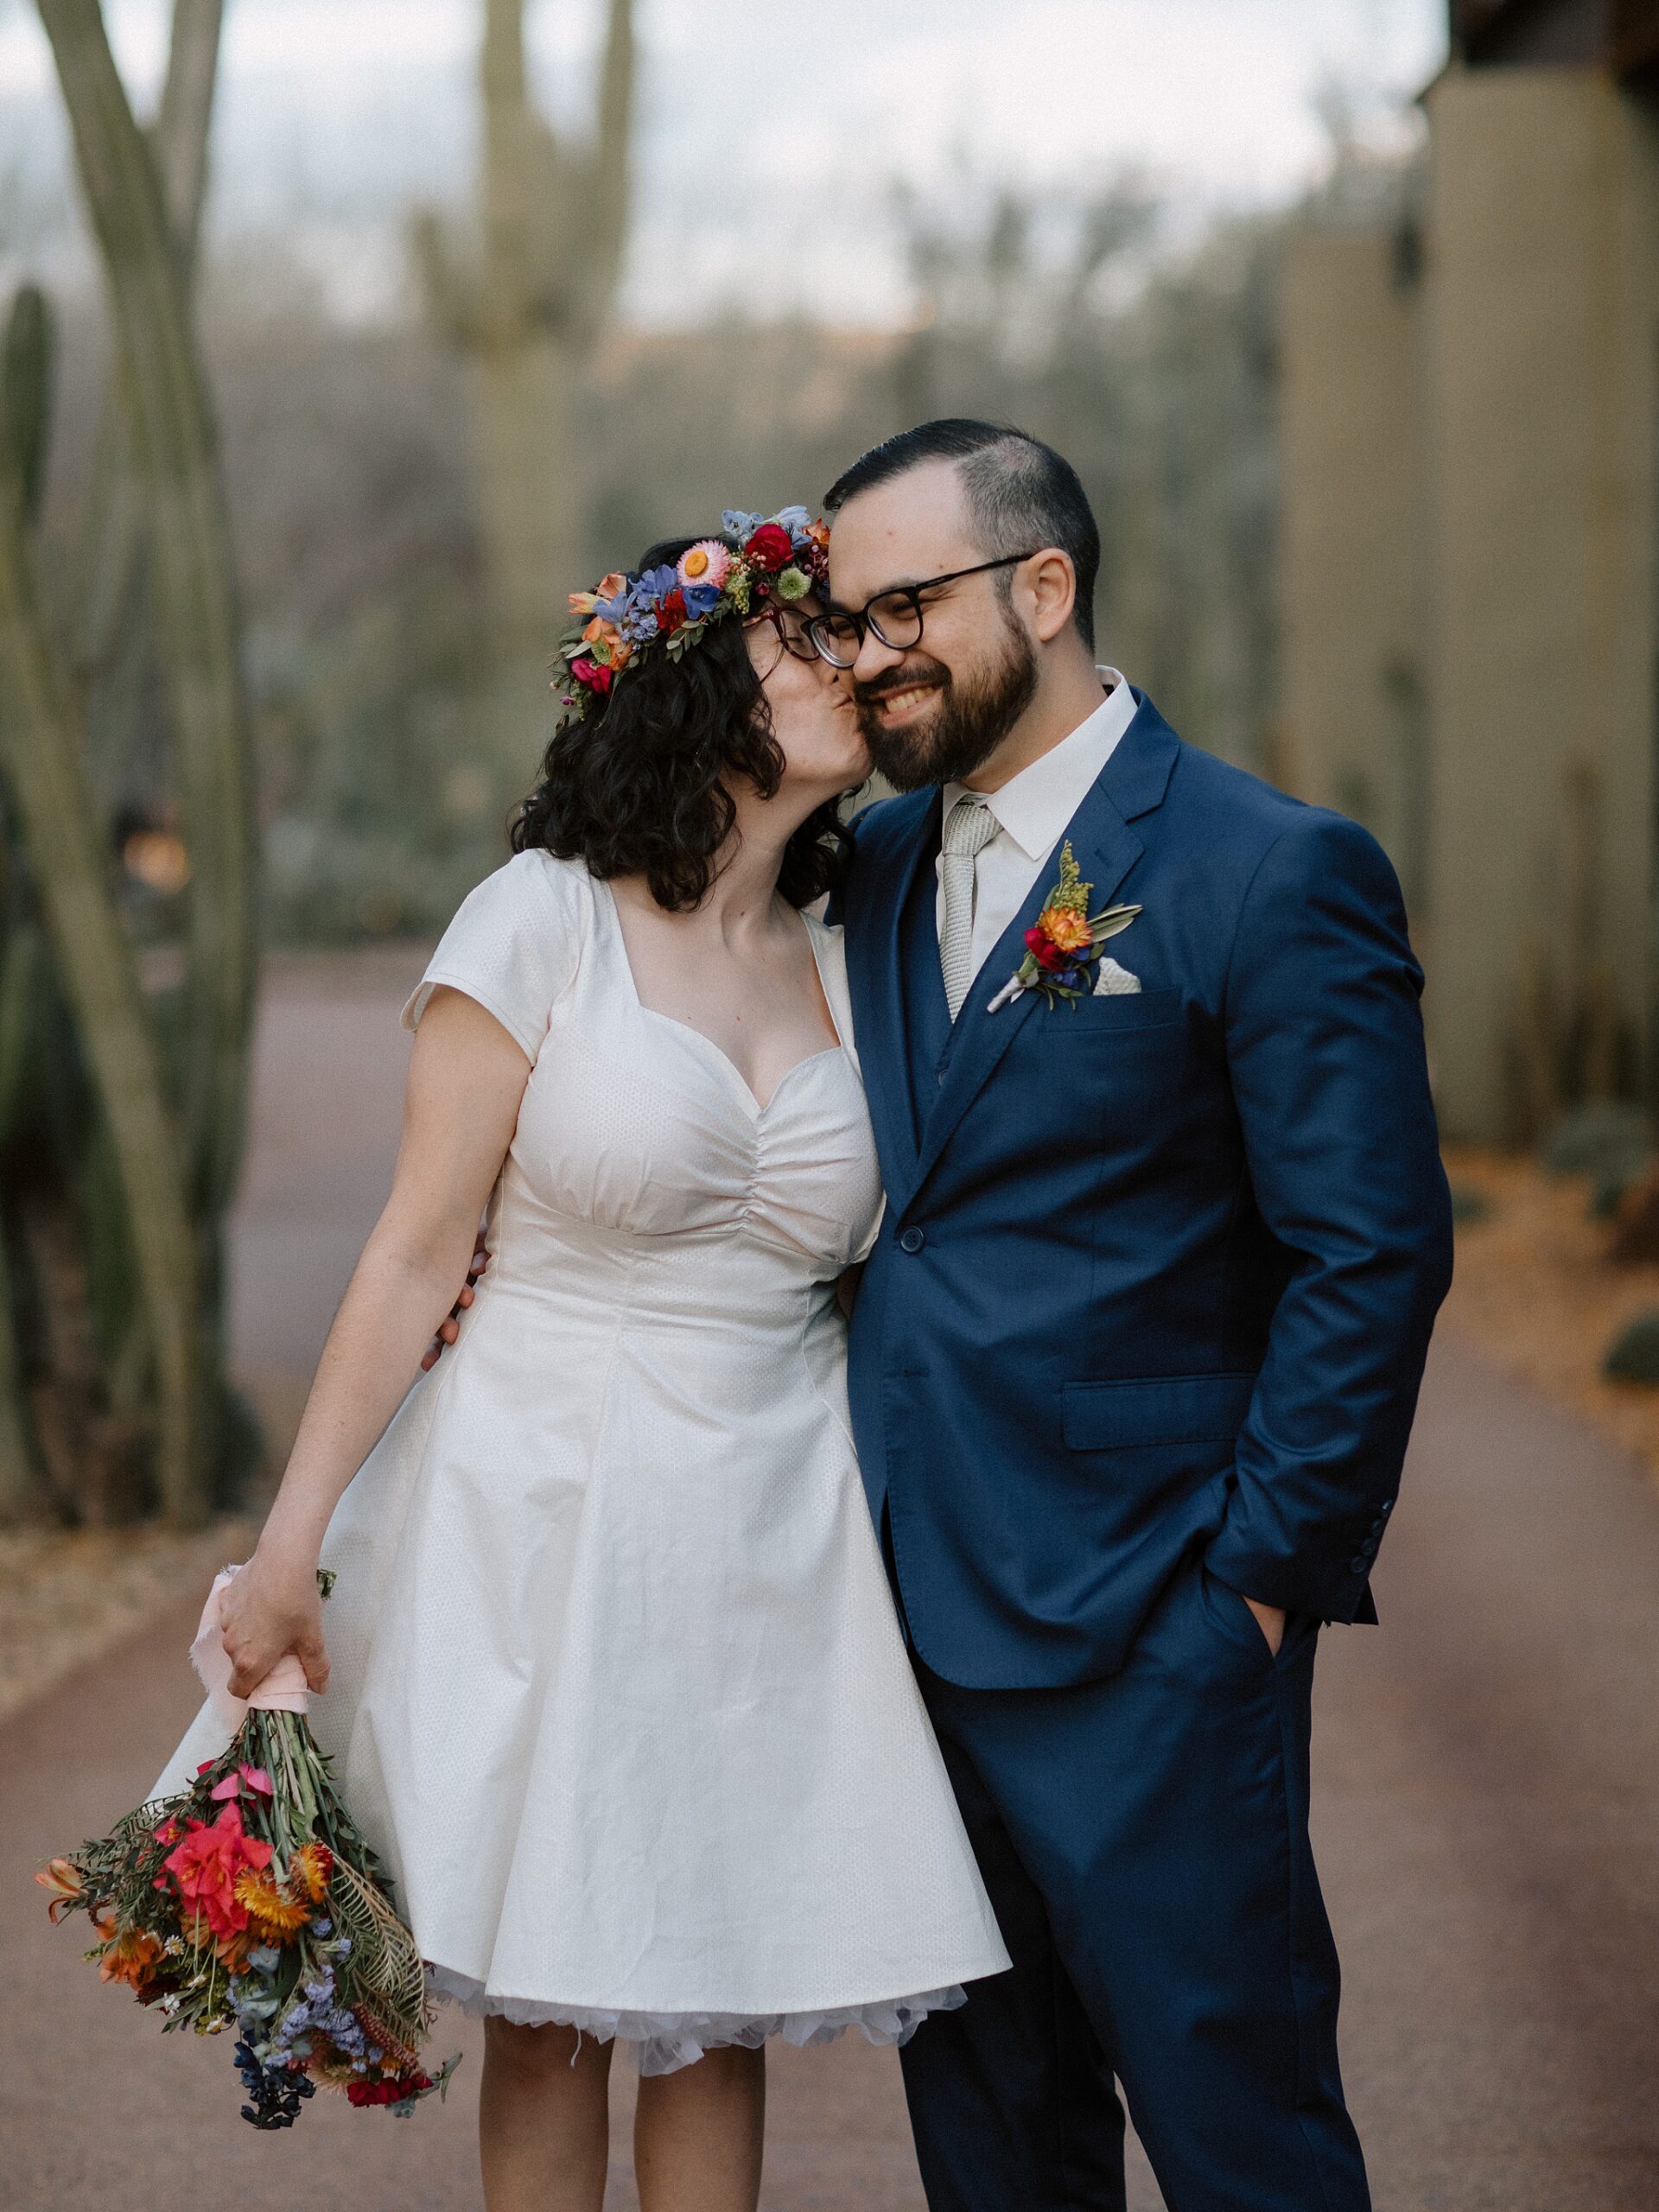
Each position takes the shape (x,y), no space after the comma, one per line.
(900,706)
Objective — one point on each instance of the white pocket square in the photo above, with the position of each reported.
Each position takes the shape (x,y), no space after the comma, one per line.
(1112,981)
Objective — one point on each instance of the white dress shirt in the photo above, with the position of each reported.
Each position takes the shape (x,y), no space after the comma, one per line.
(1033,811)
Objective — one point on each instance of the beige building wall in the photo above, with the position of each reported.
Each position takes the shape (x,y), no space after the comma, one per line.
(1541,401)
(1353,729)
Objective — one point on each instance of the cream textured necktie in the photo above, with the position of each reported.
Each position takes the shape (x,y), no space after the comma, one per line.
(969,829)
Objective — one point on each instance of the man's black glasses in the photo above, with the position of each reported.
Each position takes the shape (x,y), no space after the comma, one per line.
(895,616)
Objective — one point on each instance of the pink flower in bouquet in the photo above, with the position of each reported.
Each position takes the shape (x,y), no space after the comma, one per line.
(255,1777)
(206,1866)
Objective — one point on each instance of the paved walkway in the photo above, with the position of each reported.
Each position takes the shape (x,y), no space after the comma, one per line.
(1487,1807)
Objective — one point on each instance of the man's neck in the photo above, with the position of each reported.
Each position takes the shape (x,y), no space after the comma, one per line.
(1063,703)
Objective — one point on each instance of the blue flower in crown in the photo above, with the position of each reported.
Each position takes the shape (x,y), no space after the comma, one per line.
(741,526)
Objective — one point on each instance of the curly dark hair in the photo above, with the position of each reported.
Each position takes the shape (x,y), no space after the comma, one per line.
(639,785)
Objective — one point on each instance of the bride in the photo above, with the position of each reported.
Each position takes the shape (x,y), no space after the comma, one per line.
(612,1679)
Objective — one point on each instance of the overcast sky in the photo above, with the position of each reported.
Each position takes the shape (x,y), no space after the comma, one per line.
(771,133)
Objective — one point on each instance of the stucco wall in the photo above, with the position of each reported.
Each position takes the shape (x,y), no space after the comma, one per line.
(1353,708)
(1540,396)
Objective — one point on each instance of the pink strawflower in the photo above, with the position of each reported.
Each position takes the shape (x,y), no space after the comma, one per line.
(706,564)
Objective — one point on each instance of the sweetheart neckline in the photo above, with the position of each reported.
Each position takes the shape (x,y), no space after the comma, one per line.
(838,1050)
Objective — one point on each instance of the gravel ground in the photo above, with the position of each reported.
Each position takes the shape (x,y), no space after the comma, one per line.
(1535,1290)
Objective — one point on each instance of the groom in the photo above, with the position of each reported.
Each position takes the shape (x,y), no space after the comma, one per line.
(1136,1355)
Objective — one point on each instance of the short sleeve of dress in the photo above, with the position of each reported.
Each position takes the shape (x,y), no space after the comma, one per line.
(514,945)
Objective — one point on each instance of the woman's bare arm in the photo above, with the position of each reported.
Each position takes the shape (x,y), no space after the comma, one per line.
(467,1078)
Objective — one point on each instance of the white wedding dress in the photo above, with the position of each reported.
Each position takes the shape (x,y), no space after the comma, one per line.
(617,1688)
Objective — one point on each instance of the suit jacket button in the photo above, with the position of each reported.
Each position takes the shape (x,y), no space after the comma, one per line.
(1369,1547)
(1360,1565)
(913,1240)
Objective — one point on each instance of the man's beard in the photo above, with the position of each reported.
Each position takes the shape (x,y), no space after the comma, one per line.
(971,720)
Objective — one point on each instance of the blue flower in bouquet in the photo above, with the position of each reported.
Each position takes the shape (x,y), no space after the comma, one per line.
(701,600)
(276,2092)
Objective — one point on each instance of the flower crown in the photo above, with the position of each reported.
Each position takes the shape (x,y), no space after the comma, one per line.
(780,559)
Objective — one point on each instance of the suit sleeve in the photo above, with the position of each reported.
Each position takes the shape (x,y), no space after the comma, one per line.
(1325,1045)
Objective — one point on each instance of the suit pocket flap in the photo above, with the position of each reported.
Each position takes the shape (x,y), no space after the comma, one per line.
(1171,1409)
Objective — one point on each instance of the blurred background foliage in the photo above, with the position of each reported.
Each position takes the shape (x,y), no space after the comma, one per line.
(409,496)
(386,752)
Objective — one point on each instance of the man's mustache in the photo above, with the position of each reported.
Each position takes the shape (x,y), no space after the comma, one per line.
(901,679)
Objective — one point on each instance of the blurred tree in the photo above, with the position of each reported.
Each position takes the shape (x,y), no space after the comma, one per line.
(133,1250)
(1154,373)
(527,311)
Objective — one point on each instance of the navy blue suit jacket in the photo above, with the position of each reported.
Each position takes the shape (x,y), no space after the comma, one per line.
(1159,1270)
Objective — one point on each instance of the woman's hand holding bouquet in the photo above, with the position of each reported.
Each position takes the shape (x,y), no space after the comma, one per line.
(252,1900)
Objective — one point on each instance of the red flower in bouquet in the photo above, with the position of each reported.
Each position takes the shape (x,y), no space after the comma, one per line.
(770,547)
(390,2090)
(205,1867)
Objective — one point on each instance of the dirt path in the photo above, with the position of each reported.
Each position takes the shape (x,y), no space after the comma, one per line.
(1487,1804)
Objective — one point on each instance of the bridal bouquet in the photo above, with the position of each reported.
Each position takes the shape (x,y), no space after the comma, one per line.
(250,1901)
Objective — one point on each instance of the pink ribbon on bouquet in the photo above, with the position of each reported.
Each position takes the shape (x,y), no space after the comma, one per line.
(284,1689)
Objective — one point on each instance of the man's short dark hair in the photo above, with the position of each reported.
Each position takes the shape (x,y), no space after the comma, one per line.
(1020,493)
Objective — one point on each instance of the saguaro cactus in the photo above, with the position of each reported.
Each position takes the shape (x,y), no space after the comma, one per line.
(527,310)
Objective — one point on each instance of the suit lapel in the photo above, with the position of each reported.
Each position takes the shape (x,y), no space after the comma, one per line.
(875,973)
(1132,783)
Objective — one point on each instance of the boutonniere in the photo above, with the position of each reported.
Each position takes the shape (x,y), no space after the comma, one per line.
(1064,946)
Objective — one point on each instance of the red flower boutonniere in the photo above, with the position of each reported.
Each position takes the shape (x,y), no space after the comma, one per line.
(1063,948)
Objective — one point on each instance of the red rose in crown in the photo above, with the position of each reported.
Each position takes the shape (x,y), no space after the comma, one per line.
(770,547)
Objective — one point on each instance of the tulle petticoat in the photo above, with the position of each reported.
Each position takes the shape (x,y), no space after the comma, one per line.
(663,2042)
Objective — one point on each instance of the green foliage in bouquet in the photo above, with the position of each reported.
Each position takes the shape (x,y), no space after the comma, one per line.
(251,1901)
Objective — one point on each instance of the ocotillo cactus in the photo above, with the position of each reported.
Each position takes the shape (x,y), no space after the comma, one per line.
(174,448)
(114,532)
(553,222)
(40,755)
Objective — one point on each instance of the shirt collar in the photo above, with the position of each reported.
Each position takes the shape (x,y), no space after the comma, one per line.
(1034,807)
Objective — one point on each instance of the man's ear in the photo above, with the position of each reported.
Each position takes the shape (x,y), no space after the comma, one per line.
(1052,580)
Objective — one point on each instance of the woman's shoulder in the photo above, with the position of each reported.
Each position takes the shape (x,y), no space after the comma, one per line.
(515,944)
(534,874)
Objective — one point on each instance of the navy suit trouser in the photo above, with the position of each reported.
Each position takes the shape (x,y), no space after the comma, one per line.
(1144,1841)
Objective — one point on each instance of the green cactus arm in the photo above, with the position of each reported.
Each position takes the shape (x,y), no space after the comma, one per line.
(113,535)
(26,390)
(174,448)
(40,760)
